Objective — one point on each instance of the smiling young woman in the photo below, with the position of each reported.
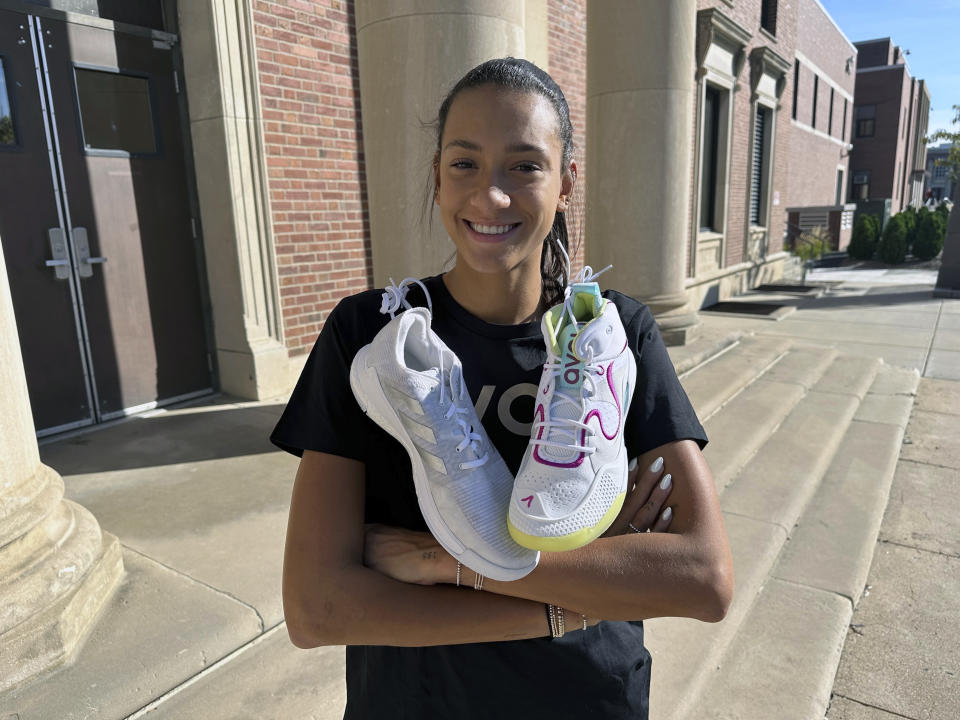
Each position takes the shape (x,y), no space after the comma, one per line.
(360,568)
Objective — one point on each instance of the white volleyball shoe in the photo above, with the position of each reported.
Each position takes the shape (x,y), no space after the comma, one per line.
(573,478)
(411,384)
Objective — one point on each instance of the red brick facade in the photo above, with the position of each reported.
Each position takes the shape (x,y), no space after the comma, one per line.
(818,143)
(567,47)
(310,99)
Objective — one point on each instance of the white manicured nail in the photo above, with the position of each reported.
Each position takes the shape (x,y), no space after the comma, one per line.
(657,465)
(667,514)
(665,483)
(633,465)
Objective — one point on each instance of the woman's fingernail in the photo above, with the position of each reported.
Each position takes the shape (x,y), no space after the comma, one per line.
(667,514)
(657,465)
(665,483)
(633,465)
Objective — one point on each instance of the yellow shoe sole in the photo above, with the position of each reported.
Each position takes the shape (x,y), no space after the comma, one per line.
(572,541)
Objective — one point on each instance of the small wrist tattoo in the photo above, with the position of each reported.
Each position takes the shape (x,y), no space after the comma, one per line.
(430,555)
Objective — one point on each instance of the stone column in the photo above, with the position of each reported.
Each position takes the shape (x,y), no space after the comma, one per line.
(948,279)
(641,62)
(220,66)
(410,54)
(57,569)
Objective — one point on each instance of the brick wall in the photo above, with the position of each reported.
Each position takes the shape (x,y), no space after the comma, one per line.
(814,159)
(309,90)
(889,91)
(747,14)
(567,48)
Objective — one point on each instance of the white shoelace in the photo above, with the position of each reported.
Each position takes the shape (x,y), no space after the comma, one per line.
(568,429)
(395,296)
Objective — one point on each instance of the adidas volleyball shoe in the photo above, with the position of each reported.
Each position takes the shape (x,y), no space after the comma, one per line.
(411,384)
(573,477)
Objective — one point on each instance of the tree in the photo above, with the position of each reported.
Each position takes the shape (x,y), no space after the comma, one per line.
(953,157)
(893,244)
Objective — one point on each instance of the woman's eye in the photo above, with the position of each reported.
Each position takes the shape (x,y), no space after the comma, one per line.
(461,164)
(528,167)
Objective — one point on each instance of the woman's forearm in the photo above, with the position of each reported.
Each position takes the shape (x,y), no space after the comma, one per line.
(363,607)
(627,577)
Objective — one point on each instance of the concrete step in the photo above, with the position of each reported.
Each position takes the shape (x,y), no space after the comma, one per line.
(833,543)
(782,663)
(760,508)
(716,381)
(776,484)
(824,563)
(761,406)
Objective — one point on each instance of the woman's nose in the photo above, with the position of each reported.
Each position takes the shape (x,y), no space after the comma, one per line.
(491,193)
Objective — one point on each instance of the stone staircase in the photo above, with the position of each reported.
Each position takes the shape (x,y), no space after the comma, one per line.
(803,445)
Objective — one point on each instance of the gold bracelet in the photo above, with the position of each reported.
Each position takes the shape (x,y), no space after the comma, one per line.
(458,573)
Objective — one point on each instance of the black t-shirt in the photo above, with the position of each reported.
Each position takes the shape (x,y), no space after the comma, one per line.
(603,672)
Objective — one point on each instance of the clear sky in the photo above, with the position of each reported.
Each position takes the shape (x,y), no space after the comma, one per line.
(929,29)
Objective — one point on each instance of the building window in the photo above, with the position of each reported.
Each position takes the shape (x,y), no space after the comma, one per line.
(796,85)
(768,16)
(860,187)
(830,115)
(839,187)
(712,158)
(816,88)
(865,116)
(115,112)
(939,171)
(843,128)
(7,134)
(759,171)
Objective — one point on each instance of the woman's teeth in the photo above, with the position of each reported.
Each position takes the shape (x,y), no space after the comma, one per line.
(492,229)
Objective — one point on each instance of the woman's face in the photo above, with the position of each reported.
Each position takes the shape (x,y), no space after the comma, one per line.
(499,178)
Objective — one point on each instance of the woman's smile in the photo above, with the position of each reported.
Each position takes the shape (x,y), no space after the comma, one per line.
(490,232)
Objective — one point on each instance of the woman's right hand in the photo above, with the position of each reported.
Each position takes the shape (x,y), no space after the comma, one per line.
(643,506)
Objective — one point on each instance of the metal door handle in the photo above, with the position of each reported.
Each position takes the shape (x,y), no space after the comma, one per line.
(82,245)
(58,248)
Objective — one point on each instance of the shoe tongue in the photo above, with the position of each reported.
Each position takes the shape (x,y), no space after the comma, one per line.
(587,299)
(569,383)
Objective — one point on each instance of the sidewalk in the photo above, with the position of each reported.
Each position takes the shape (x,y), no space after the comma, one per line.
(902,655)
(199,500)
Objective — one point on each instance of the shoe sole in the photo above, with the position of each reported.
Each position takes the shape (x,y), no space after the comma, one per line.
(576,539)
(378,408)
(583,536)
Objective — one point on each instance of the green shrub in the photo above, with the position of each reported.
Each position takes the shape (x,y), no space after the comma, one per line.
(909,217)
(812,244)
(941,216)
(893,244)
(875,226)
(863,241)
(929,241)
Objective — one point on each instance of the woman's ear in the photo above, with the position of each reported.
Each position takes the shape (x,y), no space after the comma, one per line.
(567,182)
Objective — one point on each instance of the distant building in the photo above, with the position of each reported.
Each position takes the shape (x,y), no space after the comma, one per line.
(774,109)
(937,182)
(891,113)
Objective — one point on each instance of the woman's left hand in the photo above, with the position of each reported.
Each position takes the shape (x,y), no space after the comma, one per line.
(644,505)
(406,555)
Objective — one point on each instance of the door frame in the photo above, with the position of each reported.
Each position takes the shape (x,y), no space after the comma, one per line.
(35,13)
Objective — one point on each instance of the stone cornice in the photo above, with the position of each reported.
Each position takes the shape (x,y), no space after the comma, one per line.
(765,61)
(715,27)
